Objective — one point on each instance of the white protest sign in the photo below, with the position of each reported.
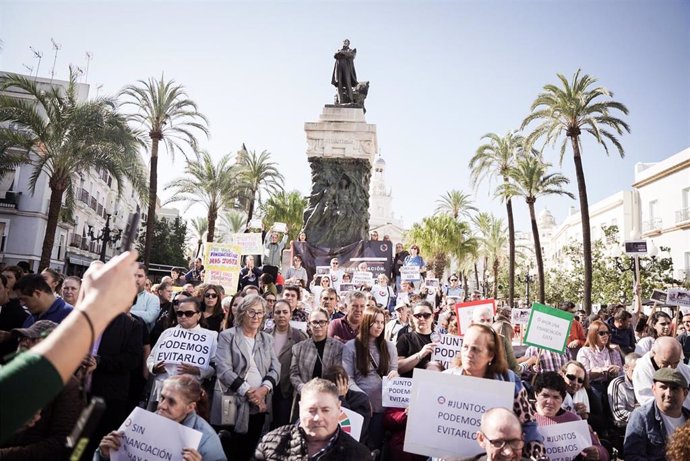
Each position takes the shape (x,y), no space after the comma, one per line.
(519,316)
(351,422)
(432,283)
(685,310)
(250,243)
(363,278)
(280,227)
(345,287)
(395,393)
(565,441)
(299,325)
(446,349)
(548,328)
(409,273)
(678,297)
(148,436)
(323,270)
(464,312)
(177,345)
(446,410)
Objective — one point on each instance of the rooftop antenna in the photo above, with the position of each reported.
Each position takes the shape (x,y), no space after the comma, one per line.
(39,56)
(89,56)
(57,47)
(29,68)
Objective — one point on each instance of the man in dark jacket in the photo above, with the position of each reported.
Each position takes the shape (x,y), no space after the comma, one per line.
(318,434)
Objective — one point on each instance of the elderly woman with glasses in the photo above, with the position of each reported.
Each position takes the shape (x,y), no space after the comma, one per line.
(186,348)
(247,367)
(415,347)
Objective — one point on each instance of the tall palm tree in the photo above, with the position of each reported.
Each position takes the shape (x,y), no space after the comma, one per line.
(566,111)
(199,229)
(163,109)
(441,237)
(61,136)
(456,204)
(258,174)
(481,223)
(494,160)
(208,183)
(233,221)
(530,181)
(287,207)
(494,241)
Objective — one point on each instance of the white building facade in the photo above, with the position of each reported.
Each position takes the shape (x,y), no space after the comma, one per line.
(382,219)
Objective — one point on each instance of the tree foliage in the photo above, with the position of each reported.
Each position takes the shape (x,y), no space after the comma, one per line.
(286,207)
(169,242)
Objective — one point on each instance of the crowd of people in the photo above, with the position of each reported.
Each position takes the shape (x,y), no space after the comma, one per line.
(277,360)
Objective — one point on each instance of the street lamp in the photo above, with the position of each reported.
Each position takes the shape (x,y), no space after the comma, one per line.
(526,279)
(634,262)
(106,235)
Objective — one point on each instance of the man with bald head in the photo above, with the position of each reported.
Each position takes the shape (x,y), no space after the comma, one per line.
(500,436)
(666,353)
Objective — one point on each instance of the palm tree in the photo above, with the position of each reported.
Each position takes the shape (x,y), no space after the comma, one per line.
(441,237)
(199,229)
(493,240)
(207,183)
(568,110)
(287,207)
(233,221)
(167,114)
(494,159)
(456,204)
(61,136)
(258,174)
(529,180)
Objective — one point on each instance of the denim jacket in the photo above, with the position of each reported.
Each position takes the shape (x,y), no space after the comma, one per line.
(645,436)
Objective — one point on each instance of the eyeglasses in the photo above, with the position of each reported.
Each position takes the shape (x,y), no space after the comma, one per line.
(254,314)
(211,295)
(499,444)
(185,313)
(453,280)
(269,300)
(318,323)
(575,378)
(334,263)
(424,315)
(603,333)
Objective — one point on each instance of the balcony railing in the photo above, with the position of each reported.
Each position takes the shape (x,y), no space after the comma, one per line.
(75,241)
(652,224)
(683,215)
(10,200)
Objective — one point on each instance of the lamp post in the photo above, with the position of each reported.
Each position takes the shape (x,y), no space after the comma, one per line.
(634,262)
(106,235)
(526,279)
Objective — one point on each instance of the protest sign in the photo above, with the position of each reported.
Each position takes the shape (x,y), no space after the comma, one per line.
(565,441)
(250,244)
(446,349)
(519,316)
(464,312)
(395,393)
(222,264)
(177,345)
(409,273)
(255,224)
(432,283)
(446,410)
(363,278)
(548,328)
(345,287)
(678,297)
(659,296)
(280,227)
(323,270)
(149,436)
(351,422)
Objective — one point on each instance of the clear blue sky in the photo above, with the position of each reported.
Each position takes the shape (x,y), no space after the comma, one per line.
(442,75)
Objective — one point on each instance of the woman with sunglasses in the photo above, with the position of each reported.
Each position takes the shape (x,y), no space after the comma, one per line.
(602,361)
(284,338)
(188,313)
(482,356)
(659,324)
(368,359)
(549,391)
(414,348)
(211,306)
(454,288)
(248,368)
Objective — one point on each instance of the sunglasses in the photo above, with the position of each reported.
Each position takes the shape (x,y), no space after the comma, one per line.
(603,333)
(186,313)
(575,378)
(424,315)
(211,295)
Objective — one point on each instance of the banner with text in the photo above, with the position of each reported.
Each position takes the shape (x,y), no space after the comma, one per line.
(222,265)
(148,436)
(446,349)
(464,312)
(548,328)
(410,273)
(519,316)
(446,410)
(395,393)
(177,345)
(249,243)
(565,441)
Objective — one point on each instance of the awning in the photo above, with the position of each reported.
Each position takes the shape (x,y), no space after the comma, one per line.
(80,261)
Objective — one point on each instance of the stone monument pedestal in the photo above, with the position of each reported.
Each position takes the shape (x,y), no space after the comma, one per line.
(341,148)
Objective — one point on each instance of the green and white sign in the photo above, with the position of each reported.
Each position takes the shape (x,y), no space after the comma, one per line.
(548,328)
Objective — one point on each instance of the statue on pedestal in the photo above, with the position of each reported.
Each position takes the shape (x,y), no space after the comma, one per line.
(344,74)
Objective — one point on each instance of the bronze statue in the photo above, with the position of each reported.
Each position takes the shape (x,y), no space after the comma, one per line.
(344,75)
